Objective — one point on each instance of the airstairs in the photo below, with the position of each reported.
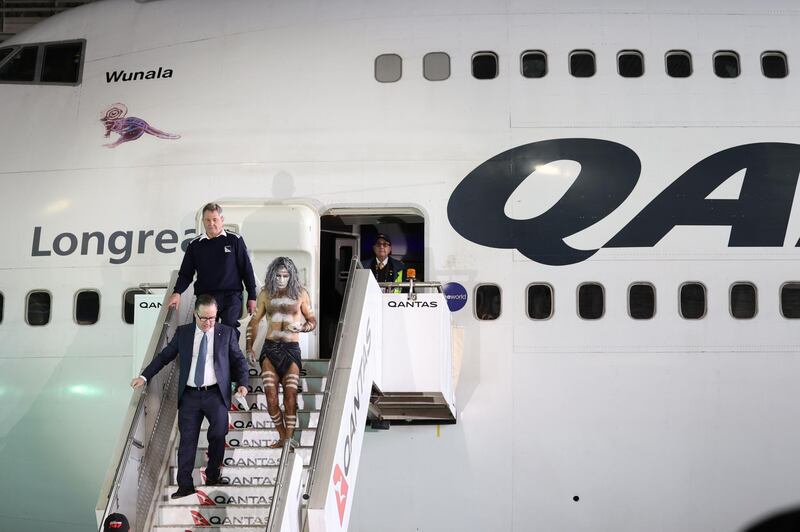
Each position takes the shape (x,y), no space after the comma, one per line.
(308,484)
(249,465)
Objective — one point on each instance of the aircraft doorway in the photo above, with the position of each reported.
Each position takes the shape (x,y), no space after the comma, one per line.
(271,231)
(346,233)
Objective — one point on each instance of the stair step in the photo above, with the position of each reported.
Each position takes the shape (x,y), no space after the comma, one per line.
(245,457)
(259,419)
(259,438)
(305,401)
(308,384)
(312,367)
(221,528)
(191,515)
(221,496)
(237,476)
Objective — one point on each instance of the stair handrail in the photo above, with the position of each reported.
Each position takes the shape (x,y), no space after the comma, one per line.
(279,493)
(160,393)
(355,264)
(412,285)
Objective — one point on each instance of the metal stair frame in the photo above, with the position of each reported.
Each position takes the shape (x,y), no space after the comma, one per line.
(141,457)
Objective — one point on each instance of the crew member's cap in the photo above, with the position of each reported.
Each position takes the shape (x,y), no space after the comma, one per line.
(384,237)
(116,523)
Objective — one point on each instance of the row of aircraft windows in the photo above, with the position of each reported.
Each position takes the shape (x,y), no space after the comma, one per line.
(743,302)
(581,64)
(86,306)
(742,299)
(57,63)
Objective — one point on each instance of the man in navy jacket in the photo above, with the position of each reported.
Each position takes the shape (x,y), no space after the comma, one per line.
(210,359)
(220,259)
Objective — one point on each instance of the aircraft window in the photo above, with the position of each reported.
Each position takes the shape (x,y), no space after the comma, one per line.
(774,65)
(591,304)
(743,301)
(436,66)
(87,307)
(581,64)
(790,300)
(22,66)
(534,64)
(62,62)
(2,300)
(693,301)
(679,64)
(487,302)
(540,301)
(388,68)
(630,64)
(4,53)
(128,301)
(726,64)
(484,65)
(38,308)
(642,301)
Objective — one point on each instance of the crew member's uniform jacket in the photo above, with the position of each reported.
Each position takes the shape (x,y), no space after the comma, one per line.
(222,266)
(221,263)
(393,272)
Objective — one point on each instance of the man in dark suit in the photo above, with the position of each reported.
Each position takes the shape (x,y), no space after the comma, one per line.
(385,268)
(210,359)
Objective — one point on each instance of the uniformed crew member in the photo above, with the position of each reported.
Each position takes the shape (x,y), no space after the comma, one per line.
(385,268)
(220,259)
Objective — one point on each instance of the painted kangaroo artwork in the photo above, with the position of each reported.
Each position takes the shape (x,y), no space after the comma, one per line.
(128,128)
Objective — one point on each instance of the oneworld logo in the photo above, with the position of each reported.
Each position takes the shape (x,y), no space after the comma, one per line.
(456,296)
(608,173)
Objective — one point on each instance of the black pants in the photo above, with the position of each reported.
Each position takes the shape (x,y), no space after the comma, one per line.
(229,308)
(196,405)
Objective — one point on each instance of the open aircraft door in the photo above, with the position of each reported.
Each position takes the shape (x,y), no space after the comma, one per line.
(337,249)
(275,230)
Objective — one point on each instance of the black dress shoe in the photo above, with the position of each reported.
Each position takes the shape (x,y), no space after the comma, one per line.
(217,481)
(183,492)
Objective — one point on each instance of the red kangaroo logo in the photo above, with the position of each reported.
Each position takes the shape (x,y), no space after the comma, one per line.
(204,499)
(199,520)
(341,492)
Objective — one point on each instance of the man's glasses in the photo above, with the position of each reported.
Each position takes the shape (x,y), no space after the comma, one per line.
(382,245)
(203,318)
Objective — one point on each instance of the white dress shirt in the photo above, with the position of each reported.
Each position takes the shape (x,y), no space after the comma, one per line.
(210,377)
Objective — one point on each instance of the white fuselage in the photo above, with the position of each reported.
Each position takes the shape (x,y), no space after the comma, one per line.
(661,425)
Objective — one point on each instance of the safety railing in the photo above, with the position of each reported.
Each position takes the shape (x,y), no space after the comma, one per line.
(413,287)
(320,434)
(141,454)
(284,512)
(280,491)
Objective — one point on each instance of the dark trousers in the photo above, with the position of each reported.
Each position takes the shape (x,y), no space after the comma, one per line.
(195,405)
(229,308)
